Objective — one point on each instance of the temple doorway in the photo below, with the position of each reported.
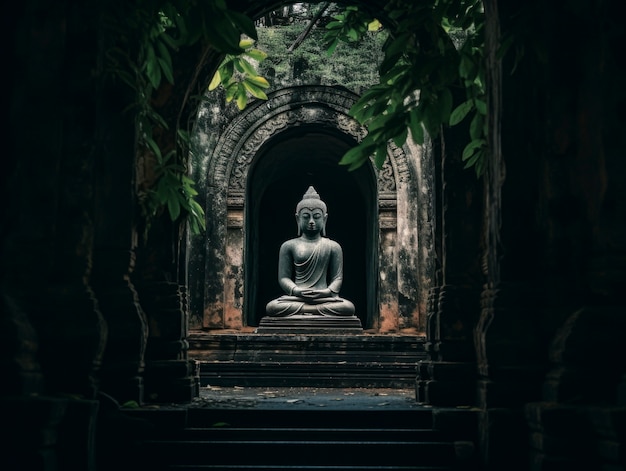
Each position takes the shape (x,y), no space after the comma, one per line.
(254,168)
(282,171)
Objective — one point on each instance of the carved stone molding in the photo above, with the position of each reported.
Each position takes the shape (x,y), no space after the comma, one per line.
(324,107)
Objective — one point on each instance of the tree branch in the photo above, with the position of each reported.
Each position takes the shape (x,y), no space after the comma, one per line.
(309,27)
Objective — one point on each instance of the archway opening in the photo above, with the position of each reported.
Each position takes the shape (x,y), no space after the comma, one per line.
(282,171)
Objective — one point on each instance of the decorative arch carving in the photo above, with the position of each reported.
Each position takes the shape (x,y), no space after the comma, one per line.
(290,107)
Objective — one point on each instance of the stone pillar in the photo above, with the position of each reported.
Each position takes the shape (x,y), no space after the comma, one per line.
(214,261)
(53,332)
(506,335)
(554,220)
(234,270)
(169,375)
(123,362)
(116,237)
(388,318)
(448,377)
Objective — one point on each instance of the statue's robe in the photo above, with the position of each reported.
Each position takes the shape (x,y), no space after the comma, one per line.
(323,264)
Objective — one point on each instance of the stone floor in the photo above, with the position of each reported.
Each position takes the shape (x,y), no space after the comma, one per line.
(305,398)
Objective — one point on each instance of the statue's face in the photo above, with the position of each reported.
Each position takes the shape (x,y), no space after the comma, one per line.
(311,220)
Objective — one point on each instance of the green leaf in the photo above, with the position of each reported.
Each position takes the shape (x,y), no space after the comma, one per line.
(190,191)
(258,81)
(393,52)
(332,46)
(381,155)
(374,25)
(379,121)
(481,106)
(481,163)
(217,79)
(242,97)
(183,135)
(197,214)
(164,51)
(254,90)
(335,25)
(238,63)
(256,54)
(400,139)
(430,120)
(231,91)
(415,124)
(246,43)
(471,147)
(173,206)
(476,126)
(168,40)
(248,68)
(244,22)
(167,70)
(154,147)
(222,35)
(153,68)
(460,112)
(472,160)
(227,71)
(359,154)
(157,118)
(467,67)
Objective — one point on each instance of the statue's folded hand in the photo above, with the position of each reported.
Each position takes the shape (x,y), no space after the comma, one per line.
(315,293)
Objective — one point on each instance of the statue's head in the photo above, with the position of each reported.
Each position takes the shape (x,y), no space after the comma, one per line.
(311,213)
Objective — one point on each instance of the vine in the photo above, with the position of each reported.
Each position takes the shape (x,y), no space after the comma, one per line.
(167,28)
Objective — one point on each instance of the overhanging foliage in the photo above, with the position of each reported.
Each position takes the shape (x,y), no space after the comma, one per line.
(432,75)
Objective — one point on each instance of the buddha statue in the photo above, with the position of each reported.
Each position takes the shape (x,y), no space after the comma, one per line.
(310,267)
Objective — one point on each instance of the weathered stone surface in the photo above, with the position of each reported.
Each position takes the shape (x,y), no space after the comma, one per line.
(306,324)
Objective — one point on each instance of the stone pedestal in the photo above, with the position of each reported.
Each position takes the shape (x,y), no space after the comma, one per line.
(327,360)
(310,324)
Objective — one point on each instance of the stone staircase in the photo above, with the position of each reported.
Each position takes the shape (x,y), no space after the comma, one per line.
(290,360)
(359,439)
(351,435)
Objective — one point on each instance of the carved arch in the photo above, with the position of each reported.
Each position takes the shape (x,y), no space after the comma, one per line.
(297,106)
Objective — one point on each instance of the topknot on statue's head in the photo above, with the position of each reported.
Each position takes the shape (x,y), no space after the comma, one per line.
(311,200)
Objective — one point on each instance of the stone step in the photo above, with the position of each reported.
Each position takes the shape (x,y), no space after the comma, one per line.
(307,360)
(313,374)
(316,433)
(311,433)
(257,467)
(298,453)
(339,419)
(247,439)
